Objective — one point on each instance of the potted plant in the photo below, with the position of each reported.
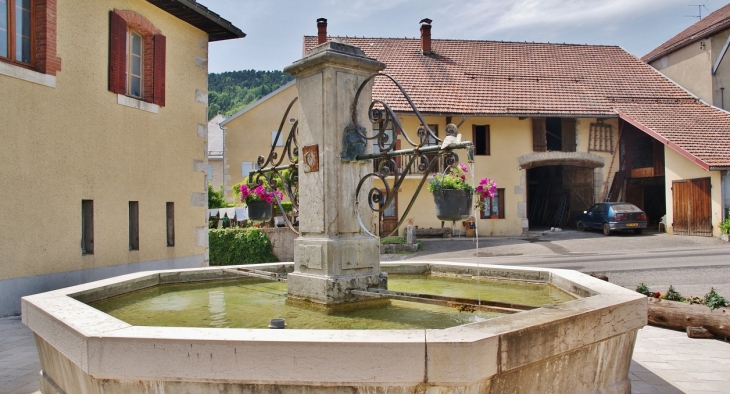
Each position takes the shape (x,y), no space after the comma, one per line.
(452,196)
(259,199)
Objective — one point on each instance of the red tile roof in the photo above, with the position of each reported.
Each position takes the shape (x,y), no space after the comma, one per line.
(491,78)
(710,25)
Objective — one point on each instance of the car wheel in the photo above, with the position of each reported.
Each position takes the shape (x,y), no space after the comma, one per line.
(637,230)
(606,229)
(580,225)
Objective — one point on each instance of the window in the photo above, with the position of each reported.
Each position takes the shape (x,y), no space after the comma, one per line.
(601,137)
(494,207)
(16,33)
(134,56)
(275,142)
(87,226)
(170,224)
(28,34)
(480,136)
(210,172)
(134,225)
(247,167)
(137,53)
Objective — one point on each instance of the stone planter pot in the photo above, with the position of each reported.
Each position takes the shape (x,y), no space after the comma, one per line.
(452,205)
(259,211)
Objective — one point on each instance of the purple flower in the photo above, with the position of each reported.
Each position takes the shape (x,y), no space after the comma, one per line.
(463,168)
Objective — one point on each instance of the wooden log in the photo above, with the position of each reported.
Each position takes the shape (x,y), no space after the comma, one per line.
(680,315)
(699,332)
(433,232)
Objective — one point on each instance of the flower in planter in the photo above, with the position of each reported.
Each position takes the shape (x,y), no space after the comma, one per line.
(453,179)
(487,188)
(259,193)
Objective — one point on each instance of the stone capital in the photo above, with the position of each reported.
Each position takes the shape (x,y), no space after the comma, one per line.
(334,54)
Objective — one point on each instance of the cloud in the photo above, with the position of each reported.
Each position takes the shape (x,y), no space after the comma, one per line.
(482,19)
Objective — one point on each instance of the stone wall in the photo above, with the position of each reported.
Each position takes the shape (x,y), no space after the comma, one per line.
(282,240)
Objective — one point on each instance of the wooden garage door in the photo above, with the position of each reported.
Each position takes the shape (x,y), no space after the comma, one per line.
(692,208)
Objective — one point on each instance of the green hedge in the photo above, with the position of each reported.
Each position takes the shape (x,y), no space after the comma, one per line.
(233,246)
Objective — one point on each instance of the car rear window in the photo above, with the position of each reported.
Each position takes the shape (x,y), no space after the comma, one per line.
(625,208)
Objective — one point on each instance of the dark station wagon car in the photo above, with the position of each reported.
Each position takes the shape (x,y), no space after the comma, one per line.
(612,216)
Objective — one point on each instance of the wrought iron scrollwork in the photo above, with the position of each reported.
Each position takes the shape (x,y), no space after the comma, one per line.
(429,153)
(272,173)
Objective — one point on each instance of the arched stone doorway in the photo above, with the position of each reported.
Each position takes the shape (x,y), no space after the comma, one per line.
(558,186)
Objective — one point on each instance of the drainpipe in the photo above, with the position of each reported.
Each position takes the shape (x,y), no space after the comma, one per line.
(722,98)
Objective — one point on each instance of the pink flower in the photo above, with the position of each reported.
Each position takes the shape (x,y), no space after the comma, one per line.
(268,199)
(279,195)
(463,178)
(487,188)
(463,168)
(244,192)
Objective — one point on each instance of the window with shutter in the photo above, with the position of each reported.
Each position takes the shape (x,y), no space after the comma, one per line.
(28,34)
(137,52)
(493,207)
(539,135)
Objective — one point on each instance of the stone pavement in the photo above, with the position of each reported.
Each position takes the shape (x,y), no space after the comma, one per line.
(664,362)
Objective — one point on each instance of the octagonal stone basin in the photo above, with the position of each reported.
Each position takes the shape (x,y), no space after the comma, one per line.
(580,346)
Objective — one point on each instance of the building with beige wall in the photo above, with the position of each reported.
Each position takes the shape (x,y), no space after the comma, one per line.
(558,126)
(250,133)
(104,129)
(696,59)
(215,152)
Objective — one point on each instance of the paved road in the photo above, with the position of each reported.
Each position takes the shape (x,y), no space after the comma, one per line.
(691,264)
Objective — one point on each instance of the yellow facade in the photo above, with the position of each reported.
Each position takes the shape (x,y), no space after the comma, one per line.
(691,67)
(248,133)
(678,168)
(75,142)
(510,138)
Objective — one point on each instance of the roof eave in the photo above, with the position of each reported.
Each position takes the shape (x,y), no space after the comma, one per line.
(198,15)
(671,49)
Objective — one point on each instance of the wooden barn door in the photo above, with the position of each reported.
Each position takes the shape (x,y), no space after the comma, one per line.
(692,207)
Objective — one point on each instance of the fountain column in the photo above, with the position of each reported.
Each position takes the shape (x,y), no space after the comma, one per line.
(333,254)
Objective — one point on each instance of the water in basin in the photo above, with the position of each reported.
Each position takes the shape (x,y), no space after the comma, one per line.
(251,303)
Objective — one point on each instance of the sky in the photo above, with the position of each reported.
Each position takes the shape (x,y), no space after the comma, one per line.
(274,28)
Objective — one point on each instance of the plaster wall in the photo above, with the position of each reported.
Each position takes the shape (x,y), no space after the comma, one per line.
(216,180)
(691,67)
(75,141)
(721,80)
(248,136)
(677,168)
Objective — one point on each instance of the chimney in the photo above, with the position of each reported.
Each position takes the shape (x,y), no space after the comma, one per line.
(426,36)
(321,31)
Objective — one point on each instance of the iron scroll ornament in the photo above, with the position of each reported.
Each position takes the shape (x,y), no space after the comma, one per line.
(272,172)
(441,151)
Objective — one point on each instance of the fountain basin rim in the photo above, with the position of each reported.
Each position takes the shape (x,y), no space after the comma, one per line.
(105,347)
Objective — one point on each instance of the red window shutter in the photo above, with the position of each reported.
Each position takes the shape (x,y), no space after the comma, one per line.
(159,70)
(117,53)
(539,135)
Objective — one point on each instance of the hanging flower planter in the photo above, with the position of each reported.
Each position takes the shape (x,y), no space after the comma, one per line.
(259,211)
(259,201)
(452,205)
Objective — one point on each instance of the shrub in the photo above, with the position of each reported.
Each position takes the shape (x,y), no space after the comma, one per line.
(673,295)
(643,289)
(215,198)
(725,226)
(232,246)
(714,300)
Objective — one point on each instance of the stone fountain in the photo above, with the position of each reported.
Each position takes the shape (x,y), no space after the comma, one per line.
(580,346)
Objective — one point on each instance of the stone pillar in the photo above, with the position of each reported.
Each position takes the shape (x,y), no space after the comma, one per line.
(332,255)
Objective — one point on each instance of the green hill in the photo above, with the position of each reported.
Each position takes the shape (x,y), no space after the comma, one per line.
(230,91)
